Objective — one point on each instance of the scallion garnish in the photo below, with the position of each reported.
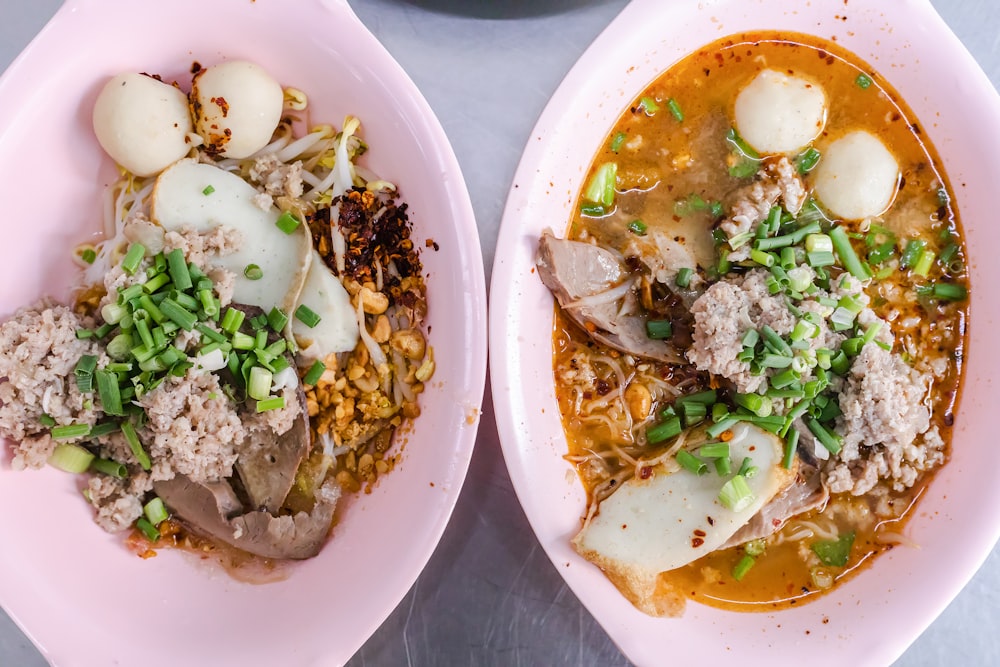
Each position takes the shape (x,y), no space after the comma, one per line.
(637,227)
(253,272)
(835,552)
(109,467)
(683,278)
(601,189)
(208,190)
(714,450)
(806,160)
(736,494)
(664,430)
(107,389)
(155,511)
(829,440)
(923,264)
(287,222)
(911,253)
(675,109)
(133,258)
(307,316)
(848,257)
(617,141)
(863,81)
(743,566)
(314,373)
(70,458)
(790,446)
(272,403)
(659,329)
(147,529)
(649,105)
(128,430)
(691,463)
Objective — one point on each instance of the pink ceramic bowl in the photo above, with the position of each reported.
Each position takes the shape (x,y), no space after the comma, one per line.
(874,617)
(76,591)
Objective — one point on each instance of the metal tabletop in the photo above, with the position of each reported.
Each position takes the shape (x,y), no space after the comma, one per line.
(489,595)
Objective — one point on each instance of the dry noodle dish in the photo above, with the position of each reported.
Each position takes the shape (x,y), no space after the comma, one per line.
(762,310)
(246,339)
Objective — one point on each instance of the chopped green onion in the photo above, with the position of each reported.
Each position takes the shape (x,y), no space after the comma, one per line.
(46,420)
(948,253)
(147,529)
(109,467)
(259,383)
(755,547)
(232,320)
(177,266)
(848,257)
(592,210)
(714,450)
(694,413)
(659,329)
(924,263)
(774,242)
(314,373)
(155,511)
(287,222)
(747,468)
(775,342)
(835,552)
(107,389)
(762,258)
(720,427)
(178,314)
(734,138)
(133,258)
(277,319)
(743,566)
(790,446)
(664,431)
(253,272)
(818,259)
(723,466)
(273,403)
(755,403)
(307,316)
(208,303)
(946,291)
(128,430)
(785,378)
(649,105)
(736,494)
(911,253)
(706,397)
(70,458)
(207,191)
(601,189)
(829,440)
(806,160)
(617,141)
(88,255)
(683,278)
(637,227)
(750,338)
(675,109)
(242,341)
(691,463)
(70,431)
(863,81)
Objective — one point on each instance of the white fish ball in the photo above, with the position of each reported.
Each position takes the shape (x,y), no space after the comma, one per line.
(142,123)
(778,113)
(237,106)
(856,177)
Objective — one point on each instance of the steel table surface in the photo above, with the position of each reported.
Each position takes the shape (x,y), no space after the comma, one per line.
(489,595)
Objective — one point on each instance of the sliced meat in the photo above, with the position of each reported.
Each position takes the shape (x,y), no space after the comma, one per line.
(807,493)
(594,290)
(267,462)
(213,508)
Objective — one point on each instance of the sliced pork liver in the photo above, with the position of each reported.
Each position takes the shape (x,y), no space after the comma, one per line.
(213,508)
(586,280)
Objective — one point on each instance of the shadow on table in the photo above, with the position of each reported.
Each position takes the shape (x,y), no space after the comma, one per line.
(502,9)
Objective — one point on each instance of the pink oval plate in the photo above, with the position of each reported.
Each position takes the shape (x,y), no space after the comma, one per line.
(77,592)
(874,617)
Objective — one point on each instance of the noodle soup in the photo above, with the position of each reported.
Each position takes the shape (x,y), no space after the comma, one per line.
(765,242)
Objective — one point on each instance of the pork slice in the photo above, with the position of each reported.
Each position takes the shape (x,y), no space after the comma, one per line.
(267,462)
(805,494)
(214,509)
(587,281)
